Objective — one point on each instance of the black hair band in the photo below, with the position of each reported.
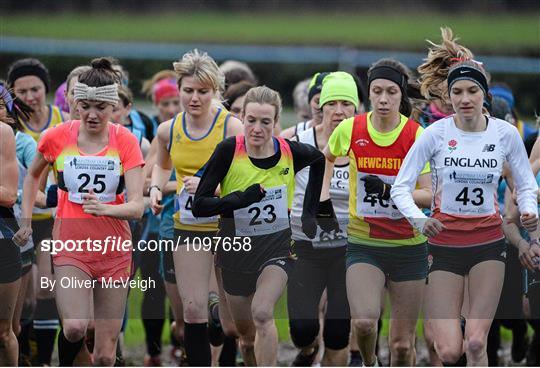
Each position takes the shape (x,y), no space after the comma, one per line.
(466,72)
(26,70)
(388,73)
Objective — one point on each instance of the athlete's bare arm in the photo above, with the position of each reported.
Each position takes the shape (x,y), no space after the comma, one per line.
(9,172)
(234,127)
(161,172)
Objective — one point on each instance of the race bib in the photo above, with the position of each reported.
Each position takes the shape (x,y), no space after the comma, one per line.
(373,206)
(468,192)
(331,239)
(101,174)
(268,216)
(184,203)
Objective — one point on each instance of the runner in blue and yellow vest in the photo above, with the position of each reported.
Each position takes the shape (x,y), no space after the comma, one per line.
(30,81)
(256,173)
(185,143)
(382,247)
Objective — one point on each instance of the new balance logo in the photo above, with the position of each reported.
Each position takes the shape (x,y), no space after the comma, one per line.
(489,148)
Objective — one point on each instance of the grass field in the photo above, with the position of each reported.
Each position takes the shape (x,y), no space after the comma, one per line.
(504,33)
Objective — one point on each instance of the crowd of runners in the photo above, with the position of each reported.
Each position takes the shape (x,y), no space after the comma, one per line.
(412,191)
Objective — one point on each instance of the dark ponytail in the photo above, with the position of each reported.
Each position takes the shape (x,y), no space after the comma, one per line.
(101,74)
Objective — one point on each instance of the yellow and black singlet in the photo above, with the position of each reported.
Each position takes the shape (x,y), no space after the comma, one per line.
(266,222)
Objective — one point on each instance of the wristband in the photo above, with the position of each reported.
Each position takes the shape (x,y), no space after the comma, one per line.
(153,186)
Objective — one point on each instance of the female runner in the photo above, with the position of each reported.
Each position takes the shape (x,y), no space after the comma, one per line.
(95,160)
(186,143)
(314,94)
(321,261)
(466,151)
(256,174)
(383,249)
(10,257)
(30,82)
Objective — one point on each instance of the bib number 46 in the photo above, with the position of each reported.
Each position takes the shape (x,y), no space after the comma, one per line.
(373,200)
(477,193)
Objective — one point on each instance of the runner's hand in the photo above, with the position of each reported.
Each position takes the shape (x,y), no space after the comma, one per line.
(375,186)
(155,200)
(326,217)
(529,254)
(191,183)
(529,221)
(432,227)
(92,206)
(22,236)
(534,252)
(253,194)
(309,226)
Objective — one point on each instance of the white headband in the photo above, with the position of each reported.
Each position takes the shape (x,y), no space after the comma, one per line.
(108,93)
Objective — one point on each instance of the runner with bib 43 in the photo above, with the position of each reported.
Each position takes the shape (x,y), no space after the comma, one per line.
(466,152)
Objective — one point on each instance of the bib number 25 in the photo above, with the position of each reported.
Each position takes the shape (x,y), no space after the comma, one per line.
(98,183)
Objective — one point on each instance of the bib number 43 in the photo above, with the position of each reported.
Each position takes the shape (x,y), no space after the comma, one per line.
(465,195)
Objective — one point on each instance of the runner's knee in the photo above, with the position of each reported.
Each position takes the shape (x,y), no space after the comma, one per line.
(74,330)
(262,315)
(365,327)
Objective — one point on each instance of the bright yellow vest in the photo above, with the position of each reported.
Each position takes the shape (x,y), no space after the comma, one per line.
(244,173)
(189,156)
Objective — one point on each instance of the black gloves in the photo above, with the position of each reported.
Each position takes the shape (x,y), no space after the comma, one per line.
(253,194)
(309,226)
(52,196)
(326,219)
(375,186)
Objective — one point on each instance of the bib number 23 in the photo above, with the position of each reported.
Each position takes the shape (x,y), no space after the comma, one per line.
(268,212)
